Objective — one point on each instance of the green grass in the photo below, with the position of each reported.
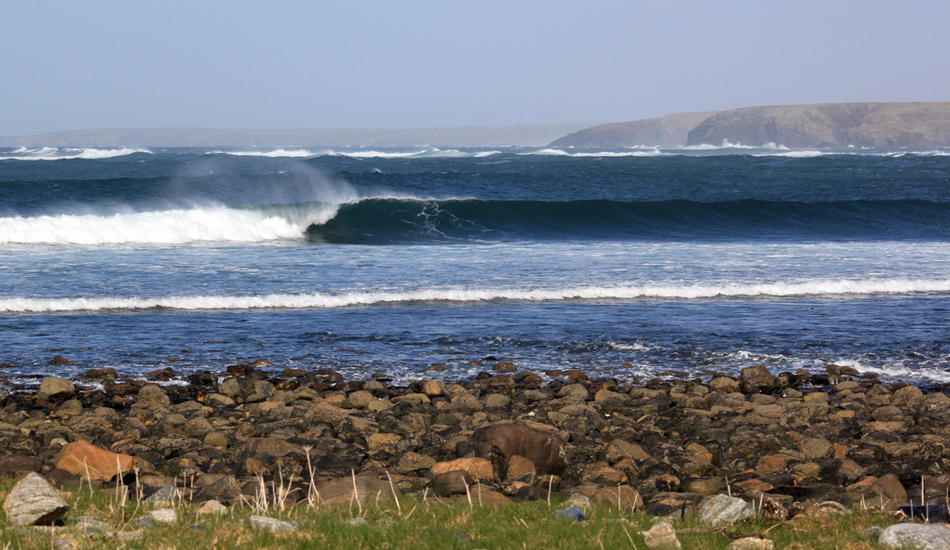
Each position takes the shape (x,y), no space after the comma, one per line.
(428,525)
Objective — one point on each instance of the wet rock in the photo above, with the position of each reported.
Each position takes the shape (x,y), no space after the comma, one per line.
(756,379)
(87,461)
(151,395)
(33,501)
(915,536)
(100,374)
(723,510)
(433,388)
(661,536)
(500,442)
(53,387)
(59,360)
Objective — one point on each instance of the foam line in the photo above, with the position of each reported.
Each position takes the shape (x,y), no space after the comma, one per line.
(327,301)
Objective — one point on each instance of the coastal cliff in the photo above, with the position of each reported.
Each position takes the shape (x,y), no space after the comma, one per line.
(829,125)
(667,131)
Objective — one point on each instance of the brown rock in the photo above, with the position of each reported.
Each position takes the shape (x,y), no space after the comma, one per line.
(20,463)
(754,485)
(500,442)
(504,367)
(605,476)
(53,387)
(383,442)
(90,462)
(456,482)
(434,388)
(624,497)
(887,492)
(756,378)
(411,462)
(478,468)
(771,464)
(59,360)
(349,489)
(519,467)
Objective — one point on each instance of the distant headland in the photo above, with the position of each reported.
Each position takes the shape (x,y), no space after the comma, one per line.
(823,125)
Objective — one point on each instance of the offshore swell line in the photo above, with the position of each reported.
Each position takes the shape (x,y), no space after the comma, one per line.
(816,288)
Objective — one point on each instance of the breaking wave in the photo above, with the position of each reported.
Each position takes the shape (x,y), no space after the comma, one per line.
(401,220)
(844,287)
(55,153)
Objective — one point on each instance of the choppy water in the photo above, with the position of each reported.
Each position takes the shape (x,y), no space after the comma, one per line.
(623,263)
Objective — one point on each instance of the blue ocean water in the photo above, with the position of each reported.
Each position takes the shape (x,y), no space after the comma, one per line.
(623,263)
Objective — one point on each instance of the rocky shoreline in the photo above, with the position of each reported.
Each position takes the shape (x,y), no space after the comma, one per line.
(782,442)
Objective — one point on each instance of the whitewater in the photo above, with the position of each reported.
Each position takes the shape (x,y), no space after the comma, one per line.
(624,262)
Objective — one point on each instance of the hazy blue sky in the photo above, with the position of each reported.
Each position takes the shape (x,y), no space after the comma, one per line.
(309,64)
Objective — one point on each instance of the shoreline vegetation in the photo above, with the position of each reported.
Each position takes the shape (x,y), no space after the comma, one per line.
(258,458)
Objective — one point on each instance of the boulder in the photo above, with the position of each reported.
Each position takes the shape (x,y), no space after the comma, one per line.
(915,536)
(53,387)
(478,468)
(85,460)
(756,379)
(348,489)
(500,442)
(723,510)
(33,501)
(456,482)
(661,536)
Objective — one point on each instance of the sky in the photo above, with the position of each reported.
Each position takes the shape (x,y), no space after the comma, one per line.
(70,65)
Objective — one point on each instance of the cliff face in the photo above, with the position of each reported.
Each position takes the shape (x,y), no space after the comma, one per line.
(667,131)
(830,125)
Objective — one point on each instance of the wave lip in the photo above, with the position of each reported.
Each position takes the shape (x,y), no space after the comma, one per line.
(84,153)
(817,288)
(177,226)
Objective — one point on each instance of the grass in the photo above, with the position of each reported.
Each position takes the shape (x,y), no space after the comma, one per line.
(425,524)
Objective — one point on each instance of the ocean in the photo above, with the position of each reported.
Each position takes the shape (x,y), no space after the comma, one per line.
(625,263)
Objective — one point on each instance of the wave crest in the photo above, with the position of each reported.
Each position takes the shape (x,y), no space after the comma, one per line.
(85,153)
(840,287)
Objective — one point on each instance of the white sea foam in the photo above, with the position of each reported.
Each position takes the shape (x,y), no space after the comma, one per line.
(326,300)
(602,154)
(177,226)
(54,153)
(899,371)
(726,144)
(432,152)
(276,153)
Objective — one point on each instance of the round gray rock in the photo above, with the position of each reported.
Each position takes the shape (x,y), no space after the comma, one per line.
(916,536)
